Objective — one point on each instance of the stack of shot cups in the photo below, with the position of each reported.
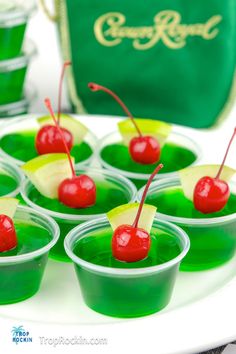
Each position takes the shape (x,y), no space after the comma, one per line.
(16,52)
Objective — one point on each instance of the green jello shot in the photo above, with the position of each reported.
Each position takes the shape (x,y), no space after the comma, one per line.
(14,15)
(11,178)
(121,289)
(212,236)
(17,142)
(22,268)
(178,152)
(12,75)
(112,190)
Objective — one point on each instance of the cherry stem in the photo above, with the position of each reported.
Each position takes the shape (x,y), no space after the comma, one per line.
(66,63)
(96,87)
(226,154)
(157,169)
(49,107)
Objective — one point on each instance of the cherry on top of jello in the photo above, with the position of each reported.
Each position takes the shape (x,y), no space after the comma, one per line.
(8,239)
(48,139)
(143,149)
(131,243)
(212,194)
(77,191)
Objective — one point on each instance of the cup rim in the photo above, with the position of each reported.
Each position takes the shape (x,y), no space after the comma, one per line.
(75,217)
(28,256)
(206,222)
(144,176)
(71,237)
(16,18)
(29,50)
(92,145)
(15,173)
(34,116)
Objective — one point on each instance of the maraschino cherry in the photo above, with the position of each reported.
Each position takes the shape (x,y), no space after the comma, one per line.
(48,139)
(129,242)
(212,194)
(77,191)
(143,149)
(8,239)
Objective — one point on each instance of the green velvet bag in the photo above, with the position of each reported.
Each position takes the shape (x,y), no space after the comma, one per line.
(171,60)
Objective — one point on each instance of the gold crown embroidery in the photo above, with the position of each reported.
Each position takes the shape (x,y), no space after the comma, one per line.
(110,30)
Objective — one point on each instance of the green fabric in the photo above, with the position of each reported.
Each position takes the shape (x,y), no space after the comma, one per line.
(180,80)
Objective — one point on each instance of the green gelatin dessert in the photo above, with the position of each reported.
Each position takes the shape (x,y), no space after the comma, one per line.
(21,146)
(129,300)
(210,224)
(12,75)
(11,87)
(111,190)
(18,140)
(127,262)
(177,153)
(14,15)
(201,199)
(164,247)
(10,179)
(7,184)
(174,157)
(174,202)
(25,278)
(141,144)
(121,289)
(109,195)
(213,242)
(22,266)
(11,39)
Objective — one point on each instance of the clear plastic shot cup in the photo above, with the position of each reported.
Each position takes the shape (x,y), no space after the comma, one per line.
(17,142)
(14,15)
(112,190)
(22,268)
(179,152)
(212,239)
(13,73)
(121,289)
(11,178)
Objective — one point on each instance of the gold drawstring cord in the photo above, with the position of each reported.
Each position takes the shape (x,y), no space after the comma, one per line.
(52,17)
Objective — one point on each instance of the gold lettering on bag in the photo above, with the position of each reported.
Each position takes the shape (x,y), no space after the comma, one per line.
(110,30)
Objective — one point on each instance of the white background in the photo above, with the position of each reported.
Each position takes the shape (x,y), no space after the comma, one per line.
(45,68)
(212,320)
